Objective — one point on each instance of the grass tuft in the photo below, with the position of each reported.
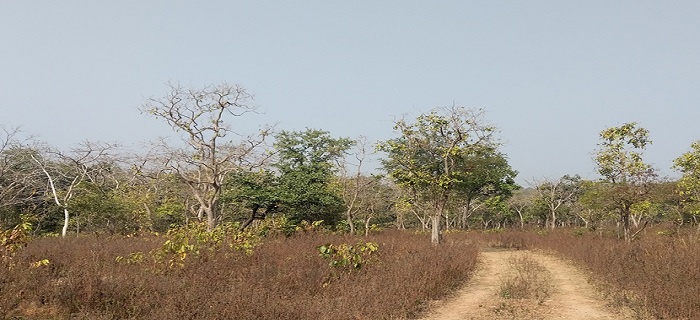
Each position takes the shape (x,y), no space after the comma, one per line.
(529,280)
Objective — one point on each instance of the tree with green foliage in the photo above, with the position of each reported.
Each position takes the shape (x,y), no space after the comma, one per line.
(495,213)
(486,174)
(258,192)
(688,187)
(97,209)
(306,164)
(619,161)
(430,157)
(594,204)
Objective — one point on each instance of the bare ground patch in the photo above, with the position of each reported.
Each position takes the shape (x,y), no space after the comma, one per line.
(565,295)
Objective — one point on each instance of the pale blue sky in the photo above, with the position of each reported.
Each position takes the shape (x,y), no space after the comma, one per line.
(550,74)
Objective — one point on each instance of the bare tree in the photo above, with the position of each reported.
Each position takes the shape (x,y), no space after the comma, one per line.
(557,193)
(65,171)
(380,198)
(352,186)
(201,116)
(521,201)
(18,176)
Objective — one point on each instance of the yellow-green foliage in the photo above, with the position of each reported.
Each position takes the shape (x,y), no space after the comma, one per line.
(347,256)
(193,241)
(14,239)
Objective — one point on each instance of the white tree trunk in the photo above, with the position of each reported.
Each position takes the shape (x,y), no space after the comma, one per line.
(66,219)
(435,234)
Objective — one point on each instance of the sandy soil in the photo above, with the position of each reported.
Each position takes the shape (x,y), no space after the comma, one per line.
(572,296)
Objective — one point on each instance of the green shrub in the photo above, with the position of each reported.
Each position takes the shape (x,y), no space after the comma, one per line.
(349,256)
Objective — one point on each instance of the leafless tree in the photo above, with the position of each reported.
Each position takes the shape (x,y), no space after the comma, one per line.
(352,181)
(18,177)
(209,155)
(521,201)
(65,171)
(557,193)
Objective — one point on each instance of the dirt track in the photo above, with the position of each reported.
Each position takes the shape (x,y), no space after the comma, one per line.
(572,297)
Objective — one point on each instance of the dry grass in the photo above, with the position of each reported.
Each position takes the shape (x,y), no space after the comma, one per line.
(529,280)
(283,279)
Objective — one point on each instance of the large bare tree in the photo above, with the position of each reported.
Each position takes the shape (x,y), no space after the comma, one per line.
(202,116)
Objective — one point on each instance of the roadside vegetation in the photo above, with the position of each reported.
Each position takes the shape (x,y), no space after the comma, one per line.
(282,277)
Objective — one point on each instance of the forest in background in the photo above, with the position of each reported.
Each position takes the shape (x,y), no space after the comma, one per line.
(442,171)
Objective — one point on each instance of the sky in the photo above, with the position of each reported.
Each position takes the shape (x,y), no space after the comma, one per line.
(549,74)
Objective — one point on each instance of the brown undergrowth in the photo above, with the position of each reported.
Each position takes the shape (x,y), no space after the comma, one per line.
(657,275)
(284,278)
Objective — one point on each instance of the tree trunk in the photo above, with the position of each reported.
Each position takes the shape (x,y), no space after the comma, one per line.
(66,219)
(367,221)
(423,222)
(200,214)
(585,221)
(435,234)
(400,221)
(522,221)
(554,217)
(466,213)
(253,216)
(350,223)
(212,213)
(626,227)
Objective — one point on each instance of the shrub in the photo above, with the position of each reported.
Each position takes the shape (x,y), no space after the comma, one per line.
(12,240)
(530,280)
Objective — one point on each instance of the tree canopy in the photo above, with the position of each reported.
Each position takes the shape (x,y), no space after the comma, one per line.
(620,163)
(306,162)
(434,155)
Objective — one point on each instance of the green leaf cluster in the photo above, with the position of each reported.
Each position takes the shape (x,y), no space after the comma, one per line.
(688,187)
(349,257)
(195,241)
(447,153)
(306,170)
(619,158)
(13,240)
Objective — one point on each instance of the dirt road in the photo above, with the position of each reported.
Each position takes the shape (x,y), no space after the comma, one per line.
(571,296)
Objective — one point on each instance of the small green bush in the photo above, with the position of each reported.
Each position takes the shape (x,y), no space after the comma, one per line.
(348,256)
